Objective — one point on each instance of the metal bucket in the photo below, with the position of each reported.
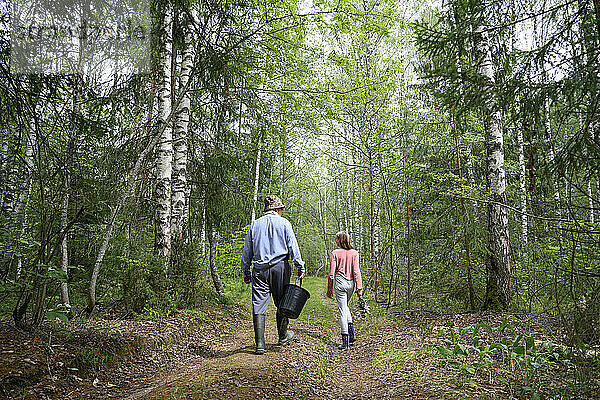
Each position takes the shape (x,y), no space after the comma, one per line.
(294,298)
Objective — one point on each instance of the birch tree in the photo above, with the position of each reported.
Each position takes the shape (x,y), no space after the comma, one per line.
(498,287)
(256,180)
(551,158)
(180,138)
(19,215)
(522,188)
(164,160)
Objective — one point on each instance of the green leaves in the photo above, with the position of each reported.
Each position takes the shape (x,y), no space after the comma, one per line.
(61,312)
(53,315)
(444,351)
(57,274)
(500,349)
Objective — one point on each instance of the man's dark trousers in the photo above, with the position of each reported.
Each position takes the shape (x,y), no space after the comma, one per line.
(267,281)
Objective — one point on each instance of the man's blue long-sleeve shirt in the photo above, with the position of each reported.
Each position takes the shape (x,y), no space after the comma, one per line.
(270,239)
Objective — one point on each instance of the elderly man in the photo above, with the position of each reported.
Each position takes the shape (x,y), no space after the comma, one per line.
(269,243)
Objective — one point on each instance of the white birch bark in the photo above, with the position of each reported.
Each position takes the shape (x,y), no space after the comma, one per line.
(256,180)
(498,289)
(522,191)
(203,226)
(362,234)
(8,201)
(590,196)
(64,211)
(19,216)
(3,165)
(597,202)
(595,134)
(8,204)
(349,215)
(164,162)
(376,223)
(323,222)
(551,157)
(64,251)
(180,138)
(589,191)
(64,214)
(25,187)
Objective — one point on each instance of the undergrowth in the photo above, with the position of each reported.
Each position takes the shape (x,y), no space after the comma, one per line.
(524,366)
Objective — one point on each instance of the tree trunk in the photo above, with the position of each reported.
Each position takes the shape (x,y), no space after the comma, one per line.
(129,183)
(408,258)
(283,146)
(589,191)
(164,162)
(349,202)
(8,205)
(18,217)
(373,227)
(256,180)
(4,157)
(498,289)
(203,225)
(180,138)
(10,188)
(464,223)
(522,191)
(595,133)
(597,11)
(64,212)
(64,253)
(551,157)
(323,220)
(523,205)
(214,272)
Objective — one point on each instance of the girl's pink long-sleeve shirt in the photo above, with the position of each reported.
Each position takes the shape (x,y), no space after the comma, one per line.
(345,262)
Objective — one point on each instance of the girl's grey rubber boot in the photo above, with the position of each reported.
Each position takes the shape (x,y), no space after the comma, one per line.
(345,344)
(259,333)
(351,335)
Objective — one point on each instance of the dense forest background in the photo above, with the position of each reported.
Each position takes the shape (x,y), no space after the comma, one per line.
(458,143)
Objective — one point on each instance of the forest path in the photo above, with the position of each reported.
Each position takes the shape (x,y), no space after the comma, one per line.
(310,367)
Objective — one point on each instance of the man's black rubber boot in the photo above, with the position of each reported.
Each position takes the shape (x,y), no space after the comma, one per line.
(259,333)
(285,335)
(345,344)
(351,335)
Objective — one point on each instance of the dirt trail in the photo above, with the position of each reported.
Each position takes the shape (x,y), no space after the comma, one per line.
(394,358)
(209,354)
(309,367)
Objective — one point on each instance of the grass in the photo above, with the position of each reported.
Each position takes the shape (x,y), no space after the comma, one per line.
(316,310)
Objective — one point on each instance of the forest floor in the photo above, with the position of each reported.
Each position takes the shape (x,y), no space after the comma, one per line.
(209,354)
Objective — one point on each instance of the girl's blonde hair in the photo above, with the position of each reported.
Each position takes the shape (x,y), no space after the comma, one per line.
(344,240)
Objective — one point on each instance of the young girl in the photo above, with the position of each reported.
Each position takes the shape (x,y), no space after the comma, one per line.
(344,275)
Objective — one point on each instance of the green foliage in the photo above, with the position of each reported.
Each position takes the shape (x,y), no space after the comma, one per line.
(500,353)
(60,312)
(185,265)
(229,254)
(91,357)
(135,280)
